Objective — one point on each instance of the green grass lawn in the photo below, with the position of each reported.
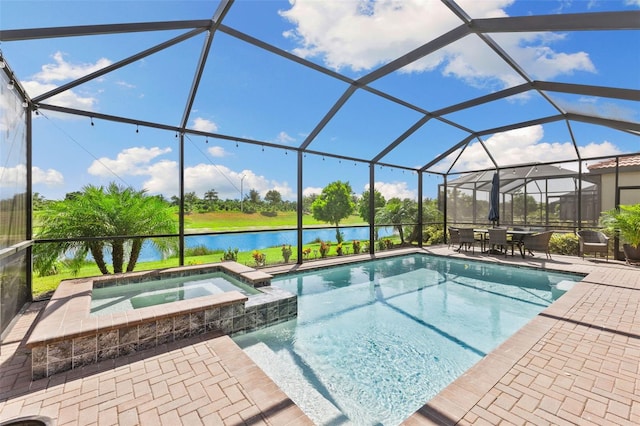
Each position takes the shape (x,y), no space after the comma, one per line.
(233,221)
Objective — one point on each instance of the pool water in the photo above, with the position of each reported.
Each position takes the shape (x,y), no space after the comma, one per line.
(118,298)
(374,341)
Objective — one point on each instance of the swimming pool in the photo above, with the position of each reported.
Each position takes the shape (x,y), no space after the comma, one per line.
(118,298)
(374,341)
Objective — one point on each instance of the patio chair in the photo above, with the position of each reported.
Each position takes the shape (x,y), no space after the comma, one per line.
(593,242)
(539,242)
(498,238)
(467,238)
(454,237)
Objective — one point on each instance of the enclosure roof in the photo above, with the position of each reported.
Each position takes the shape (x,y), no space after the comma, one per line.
(537,178)
(437,86)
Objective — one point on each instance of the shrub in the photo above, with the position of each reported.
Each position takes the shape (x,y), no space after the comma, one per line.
(286,252)
(385,244)
(432,235)
(230,254)
(55,268)
(324,249)
(564,244)
(259,258)
(200,250)
(625,220)
(306,252)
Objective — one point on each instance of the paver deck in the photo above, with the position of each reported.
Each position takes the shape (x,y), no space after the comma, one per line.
(202,380)
(577,362)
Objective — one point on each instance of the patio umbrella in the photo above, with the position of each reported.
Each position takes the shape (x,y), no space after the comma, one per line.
(494,200)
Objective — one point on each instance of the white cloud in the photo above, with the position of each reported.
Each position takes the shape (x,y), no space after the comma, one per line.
(599,149)
(130,161)
(68,98)
(125,85)
(311,190)
(49,177)
(599,107)
(204,177)
(363,35)
(204,125)
(17,176)
(13,176)
(11,116)
(533,51)
(216,151)
(62,70)
(525,145)
(394,190)
(359,35)
(161,176)
(284,138)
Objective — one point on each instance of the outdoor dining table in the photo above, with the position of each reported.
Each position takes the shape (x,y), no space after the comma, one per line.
(516,235)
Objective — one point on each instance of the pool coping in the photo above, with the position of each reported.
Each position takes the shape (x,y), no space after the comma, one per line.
(71,303)
(67,336)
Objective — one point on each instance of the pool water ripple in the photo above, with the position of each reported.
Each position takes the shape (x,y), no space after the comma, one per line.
(374,342)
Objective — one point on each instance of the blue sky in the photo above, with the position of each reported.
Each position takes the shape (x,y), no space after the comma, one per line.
(247,92)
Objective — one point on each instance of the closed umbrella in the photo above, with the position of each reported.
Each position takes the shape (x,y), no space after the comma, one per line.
(494,200)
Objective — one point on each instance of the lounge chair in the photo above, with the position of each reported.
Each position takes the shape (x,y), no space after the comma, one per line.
(593,242)
(498,238)
(538,242)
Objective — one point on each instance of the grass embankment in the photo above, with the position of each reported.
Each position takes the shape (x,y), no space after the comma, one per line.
(234,221)
(208,222)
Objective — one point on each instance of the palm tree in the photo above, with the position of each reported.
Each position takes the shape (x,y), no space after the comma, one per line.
(254,196)
(211,196)
(397,212)
(79,224)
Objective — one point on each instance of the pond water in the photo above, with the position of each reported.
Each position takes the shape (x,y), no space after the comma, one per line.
(262,240)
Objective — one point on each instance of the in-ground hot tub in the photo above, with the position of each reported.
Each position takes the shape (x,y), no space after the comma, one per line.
(69,336)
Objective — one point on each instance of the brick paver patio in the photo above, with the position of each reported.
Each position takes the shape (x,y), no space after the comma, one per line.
(575,363)
(203,380)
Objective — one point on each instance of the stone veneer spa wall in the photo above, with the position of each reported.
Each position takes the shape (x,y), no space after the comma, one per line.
(68,337)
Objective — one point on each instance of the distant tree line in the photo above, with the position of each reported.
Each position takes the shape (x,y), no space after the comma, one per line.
(337,201)
(252,202)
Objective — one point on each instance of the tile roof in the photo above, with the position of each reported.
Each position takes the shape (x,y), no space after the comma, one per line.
(611,163)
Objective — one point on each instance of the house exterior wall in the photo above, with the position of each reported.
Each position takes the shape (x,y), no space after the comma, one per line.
(624,179)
